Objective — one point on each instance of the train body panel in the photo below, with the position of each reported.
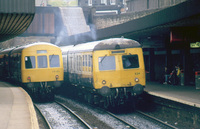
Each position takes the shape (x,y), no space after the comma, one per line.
(41,75)
(115,75)
(80,68)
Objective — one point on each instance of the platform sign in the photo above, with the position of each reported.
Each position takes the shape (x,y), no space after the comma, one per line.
(195,45)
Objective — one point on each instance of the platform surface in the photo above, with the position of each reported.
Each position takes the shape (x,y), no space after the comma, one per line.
(184,94)
(16,108)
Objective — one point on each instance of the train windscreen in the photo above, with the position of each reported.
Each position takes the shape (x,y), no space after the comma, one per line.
(42,61)
(54,61)
(107,63)
(130,61)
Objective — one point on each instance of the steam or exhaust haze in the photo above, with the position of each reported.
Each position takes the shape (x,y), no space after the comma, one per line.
(74,26)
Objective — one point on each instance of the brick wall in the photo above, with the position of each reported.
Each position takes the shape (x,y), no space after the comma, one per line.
(110,20)
(139,9)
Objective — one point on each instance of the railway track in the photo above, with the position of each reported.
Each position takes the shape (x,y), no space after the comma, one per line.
(155,120)
(43,118)
(149,118)
(53,125)
(121,123)
(75,115)
(141,120)
(59,116)
(86,116)
(131,120)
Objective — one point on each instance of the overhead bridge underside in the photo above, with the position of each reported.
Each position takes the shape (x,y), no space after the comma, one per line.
(15,17)
(12,24)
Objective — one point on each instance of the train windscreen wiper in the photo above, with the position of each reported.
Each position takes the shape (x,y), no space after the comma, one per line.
(103,58)
(51,57)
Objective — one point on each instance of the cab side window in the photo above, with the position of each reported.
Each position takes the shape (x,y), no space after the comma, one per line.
(29,62)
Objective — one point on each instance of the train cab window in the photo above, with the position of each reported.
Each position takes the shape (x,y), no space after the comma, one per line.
(54,61)
(30,62)
(130,61)
(107,63)
(42,61)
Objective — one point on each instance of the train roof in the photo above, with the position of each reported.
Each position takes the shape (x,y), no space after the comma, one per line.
(6,51)
(65,49)
(19,49)
(107,44)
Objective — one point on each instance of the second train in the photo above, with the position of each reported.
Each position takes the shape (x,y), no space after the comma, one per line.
(109,72)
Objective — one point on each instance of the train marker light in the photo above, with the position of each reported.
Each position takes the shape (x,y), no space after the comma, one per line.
(29,78)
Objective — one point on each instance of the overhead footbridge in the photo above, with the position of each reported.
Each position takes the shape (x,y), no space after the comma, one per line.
(15,17)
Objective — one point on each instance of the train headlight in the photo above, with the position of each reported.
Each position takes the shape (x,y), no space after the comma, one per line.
(136,80)
(104,82)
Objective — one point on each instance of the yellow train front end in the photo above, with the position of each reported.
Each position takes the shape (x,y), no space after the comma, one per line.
(119,75)
(42,69)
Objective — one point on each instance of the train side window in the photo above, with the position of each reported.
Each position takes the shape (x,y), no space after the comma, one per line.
(130,61)
(30,62)
(86,63)
(83,61)
(79,60)
(107,63)
(89,61)
(77,63)
(42,61)
(73,63)
(54,61)
(86,60)
(70,67)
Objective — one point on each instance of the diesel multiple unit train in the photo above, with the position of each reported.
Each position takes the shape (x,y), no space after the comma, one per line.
(38,67)
(108,72)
